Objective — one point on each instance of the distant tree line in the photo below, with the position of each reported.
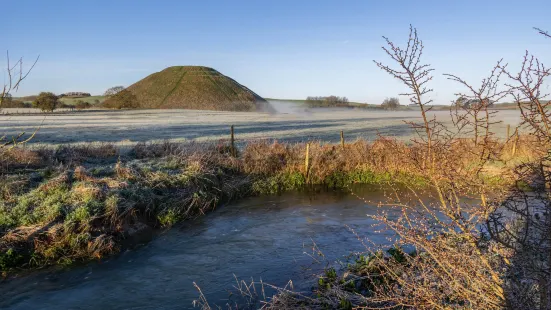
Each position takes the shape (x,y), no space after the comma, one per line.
(75,94)
(329,101)
(115,98)
(464,102)
(10,102)
(47,102)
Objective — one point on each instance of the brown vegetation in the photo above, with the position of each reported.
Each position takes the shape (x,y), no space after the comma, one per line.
(85,202)
(492,253)
(108,198)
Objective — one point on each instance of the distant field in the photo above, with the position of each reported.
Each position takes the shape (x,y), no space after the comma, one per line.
(127,127)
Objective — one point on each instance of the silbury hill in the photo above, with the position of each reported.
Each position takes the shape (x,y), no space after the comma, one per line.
(195,87)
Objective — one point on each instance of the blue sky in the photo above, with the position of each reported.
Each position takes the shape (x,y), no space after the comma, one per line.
(281,49)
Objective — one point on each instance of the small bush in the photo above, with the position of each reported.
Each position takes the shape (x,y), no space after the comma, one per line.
(46,101)
(81,105)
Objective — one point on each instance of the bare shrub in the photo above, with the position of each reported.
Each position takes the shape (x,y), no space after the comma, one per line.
(523,223)
(455,265)
(16,74)
(391,103)
(77,154)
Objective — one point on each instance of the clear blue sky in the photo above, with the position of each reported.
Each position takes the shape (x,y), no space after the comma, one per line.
(282,49)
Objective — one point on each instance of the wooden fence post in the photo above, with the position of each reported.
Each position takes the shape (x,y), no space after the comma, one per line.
(514,151)
(307,160)
(232,142)
(342,139)
(508,131)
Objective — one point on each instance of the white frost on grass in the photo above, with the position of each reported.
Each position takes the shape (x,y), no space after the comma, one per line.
(127,127)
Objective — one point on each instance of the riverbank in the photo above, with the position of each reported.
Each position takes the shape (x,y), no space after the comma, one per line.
(87,202)
(261,236)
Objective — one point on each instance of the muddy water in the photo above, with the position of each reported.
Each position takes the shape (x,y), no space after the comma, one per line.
(264,238)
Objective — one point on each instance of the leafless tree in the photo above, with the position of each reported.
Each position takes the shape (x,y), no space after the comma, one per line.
(415,75)
(479,99)
(454,266)
(526,89)
(391,103)
(542,32)
(113,91)
(16,74)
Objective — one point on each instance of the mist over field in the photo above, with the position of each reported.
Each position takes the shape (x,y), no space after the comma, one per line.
(289,107)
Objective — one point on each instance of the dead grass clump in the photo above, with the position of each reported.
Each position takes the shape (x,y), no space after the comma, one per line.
(75,155)
(124,173)
(156,149)
(80,174)
(523,148)
(62,179)
(82,191)
(324,161)
(264,158)
(383,156)
(11,186)
(17,157)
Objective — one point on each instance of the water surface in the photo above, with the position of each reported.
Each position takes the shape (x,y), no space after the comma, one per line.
(264,238)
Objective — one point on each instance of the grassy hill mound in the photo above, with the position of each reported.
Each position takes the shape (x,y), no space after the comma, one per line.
(195,87)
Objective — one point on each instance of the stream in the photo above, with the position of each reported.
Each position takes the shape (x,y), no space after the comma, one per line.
(268,237)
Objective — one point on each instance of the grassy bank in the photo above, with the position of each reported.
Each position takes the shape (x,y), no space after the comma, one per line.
(79,203)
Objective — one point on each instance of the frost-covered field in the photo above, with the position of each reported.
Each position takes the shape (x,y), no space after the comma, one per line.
(131,126)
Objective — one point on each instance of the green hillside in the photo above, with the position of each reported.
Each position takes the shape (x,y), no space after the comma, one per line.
(195,87)
(91,100)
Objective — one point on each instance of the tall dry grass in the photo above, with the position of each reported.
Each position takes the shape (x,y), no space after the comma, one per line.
(109,197)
